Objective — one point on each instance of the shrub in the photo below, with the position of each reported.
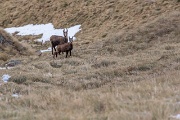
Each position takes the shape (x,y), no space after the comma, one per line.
(19,79)
(3,56)
(40,79)
(103,63)
(99,107)
(55,64)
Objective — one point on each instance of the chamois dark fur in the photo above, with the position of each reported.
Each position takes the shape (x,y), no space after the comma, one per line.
(58,40)
(66,47)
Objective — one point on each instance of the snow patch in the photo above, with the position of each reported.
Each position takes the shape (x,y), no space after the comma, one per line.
(47,30)
(176,116)
(6,77)
(47,50)
(4,68)
(15,95)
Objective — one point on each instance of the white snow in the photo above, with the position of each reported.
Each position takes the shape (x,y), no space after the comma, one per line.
(6,77)
(47,50)
(15,95)
(4,68)
(178,102)
(176,116)
(47,30)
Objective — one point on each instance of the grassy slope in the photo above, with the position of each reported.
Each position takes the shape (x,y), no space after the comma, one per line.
(107,15)
(130,74)
(10,46)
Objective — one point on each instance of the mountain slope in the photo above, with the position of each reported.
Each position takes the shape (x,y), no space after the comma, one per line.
(124,64)
(98,18)
(10,46)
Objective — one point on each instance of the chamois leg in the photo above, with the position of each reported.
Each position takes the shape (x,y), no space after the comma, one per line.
(55,48)
(70,52)
(66,54)
(52,49)
(54,55)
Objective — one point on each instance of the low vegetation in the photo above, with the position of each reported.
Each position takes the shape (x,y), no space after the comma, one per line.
(128,70)
(9,46)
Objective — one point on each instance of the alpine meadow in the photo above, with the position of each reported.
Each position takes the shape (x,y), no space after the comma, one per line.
(122,64)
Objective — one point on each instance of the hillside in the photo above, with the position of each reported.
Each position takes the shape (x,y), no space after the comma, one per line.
(10,46)
(98,18)
(124,66)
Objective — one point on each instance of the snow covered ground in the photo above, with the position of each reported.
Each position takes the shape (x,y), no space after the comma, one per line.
(16,95)
(47,30)
(6,77)
(176,116)
(47,50)
(4,68)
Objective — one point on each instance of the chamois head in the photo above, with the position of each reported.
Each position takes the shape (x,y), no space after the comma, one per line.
(71,39)
(65,32)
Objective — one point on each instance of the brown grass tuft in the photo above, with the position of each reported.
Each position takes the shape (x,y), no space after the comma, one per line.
(10,46)
(3,56)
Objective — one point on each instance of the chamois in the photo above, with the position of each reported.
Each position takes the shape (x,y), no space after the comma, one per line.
(66,47)
(56,40)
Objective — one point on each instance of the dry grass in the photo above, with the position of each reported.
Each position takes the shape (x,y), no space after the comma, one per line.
(132,74)
(108,16)
(153,98)
(3,56)
(10,46)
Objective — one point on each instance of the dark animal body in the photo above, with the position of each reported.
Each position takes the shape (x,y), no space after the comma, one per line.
(66,47)
(58,40)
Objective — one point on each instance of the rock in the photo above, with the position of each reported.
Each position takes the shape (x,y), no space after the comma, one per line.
(39,53)
(12,63)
